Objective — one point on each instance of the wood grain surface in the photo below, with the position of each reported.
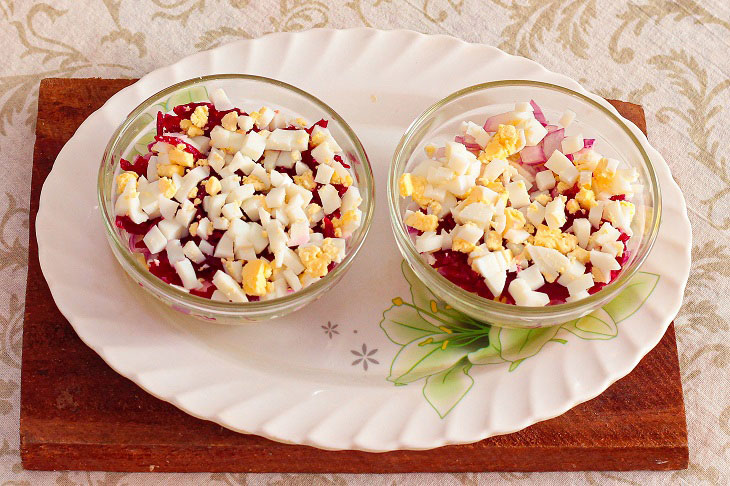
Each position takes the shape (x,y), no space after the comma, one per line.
(76,413)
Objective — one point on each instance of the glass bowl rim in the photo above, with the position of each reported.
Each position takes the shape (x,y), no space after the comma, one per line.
(473,300)
(235,307)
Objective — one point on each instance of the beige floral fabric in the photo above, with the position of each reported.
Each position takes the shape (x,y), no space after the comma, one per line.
(670,56)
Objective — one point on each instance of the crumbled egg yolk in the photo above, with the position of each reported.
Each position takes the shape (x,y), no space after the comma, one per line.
(572,206)
(462,245)
(316,259)
(474,197)
(602,177)
(503,144)
(422,222)
(167,187)
(339,223)
(336,179)
(258,184)
(169,170)
(580,254)
(407,184)
(430,150)
(494,241)
(311,210)
(543,199)
(317,138)
(179,156)
(515,219)
(125,178)
(496,186)
(562,187)
(190,129)
(413,186)
(254,276)
(193,228)
(200,116)
(306,180)
(201,162)
(301,122)
(230,121)
(213,186)
(586,198)
(555,239)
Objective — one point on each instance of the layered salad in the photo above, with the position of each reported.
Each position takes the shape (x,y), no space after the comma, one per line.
(238,206)
(521,210)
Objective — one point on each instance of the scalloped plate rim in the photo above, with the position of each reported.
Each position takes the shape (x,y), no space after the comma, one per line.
(151,78)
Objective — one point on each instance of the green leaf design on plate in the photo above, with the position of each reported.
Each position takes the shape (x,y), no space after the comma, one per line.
(428,306)
(140,147)
(491,354)
(596,325)
(441,344)
(403,324)
(518,344)
(421,358)
(445,390)
(632,297)
(195,94)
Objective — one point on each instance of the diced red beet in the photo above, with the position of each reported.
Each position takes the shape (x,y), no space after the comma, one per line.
(206,291)
(139,166)
(339,159)
(341,189)
(187,109)
(125,223)
(618,197)
(164,271)
(328,229)
(168,123)
(321,123)
(309,160)
(446,223)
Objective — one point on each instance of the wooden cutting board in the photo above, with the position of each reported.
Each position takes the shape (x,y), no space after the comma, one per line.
(76,413)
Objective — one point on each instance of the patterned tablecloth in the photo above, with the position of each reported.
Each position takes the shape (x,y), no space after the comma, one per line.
(670,56)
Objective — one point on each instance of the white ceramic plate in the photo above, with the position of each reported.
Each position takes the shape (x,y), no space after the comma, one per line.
(321,376)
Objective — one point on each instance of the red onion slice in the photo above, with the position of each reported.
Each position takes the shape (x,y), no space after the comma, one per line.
(532,155)
(539,115)
(553,142)
(493,122)
(470,145)
(588,142)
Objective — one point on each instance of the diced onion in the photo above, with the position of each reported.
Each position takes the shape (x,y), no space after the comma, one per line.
(553,142)
(539,115)
(532,155)
(493,122)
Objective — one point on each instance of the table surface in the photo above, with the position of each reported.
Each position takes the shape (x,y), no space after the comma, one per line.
(669,57)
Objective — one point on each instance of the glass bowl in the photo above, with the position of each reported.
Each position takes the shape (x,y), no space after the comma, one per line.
(249,93)
(441,122)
